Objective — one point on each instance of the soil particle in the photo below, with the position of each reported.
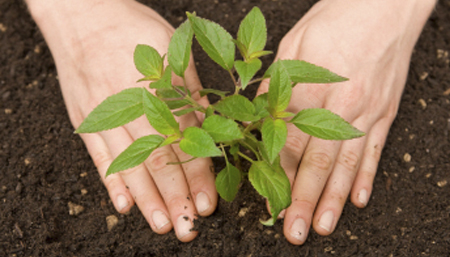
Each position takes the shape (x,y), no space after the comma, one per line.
(111,222)
(75,209)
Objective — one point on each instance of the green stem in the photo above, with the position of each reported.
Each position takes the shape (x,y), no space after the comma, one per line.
(236,85)
(250,148)
(245,157)
(255,81)
(173,163)
(224,153)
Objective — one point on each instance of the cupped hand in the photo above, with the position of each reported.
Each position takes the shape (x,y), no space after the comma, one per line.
(93,48)
(370,43)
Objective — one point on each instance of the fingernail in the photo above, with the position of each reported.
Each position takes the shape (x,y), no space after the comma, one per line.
(326,221)
(122,202)
(160,219)
(202,202)
(184,226)
(298,230)
(362,196)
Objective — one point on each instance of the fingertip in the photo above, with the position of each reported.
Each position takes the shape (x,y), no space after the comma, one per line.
(184,229)
(160,222)
(296,230)
(205,203)
(360,198)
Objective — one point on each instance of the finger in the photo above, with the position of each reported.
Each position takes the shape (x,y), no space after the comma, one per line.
(101,156)
(339,183)
(198,173)
(140,183)
(170,182)
(376,138)
(314,170)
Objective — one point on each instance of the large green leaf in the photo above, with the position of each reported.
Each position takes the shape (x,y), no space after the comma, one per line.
(172,98)
(274,135)
(135,154)
(198,143)
(280,90)
(227,182)
(253,32)
(115,111)
(180,48)
(148,62)
(273,184)
(261,103)
(222,129)
(247,70)
(237,107)
(215,40)
(325,124)
(159,115)
(305,72)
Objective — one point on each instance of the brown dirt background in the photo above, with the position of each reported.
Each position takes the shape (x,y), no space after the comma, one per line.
(43,165)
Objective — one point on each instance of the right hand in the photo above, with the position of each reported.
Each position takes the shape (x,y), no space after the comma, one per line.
(93,52)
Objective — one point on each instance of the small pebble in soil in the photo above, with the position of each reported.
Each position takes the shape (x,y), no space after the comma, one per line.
(328,249)
(407,157)
(37,49)
(353,237)
(27,161)
(424,75)
(442,183)
(84,174)
(428,175)
(446,92)
(348,233)
(75,209)
(411,169)
(111,221)
(84,191)
(243,211)
(2,27)
(19,188)
(6,95)
(441,54)
(423,103)
(8,111)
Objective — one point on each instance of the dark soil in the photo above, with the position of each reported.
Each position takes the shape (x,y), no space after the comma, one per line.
(43,165)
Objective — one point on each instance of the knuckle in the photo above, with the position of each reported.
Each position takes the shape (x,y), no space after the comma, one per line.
(349,160)
(303,204)
(101,159)
(318,161)
(158,160)
(294,145)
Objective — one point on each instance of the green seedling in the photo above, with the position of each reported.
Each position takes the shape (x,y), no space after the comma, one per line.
(223,127)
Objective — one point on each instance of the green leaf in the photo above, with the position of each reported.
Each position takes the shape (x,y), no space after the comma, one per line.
(186,111)
(168,96)
(280,90)
(165,81)
(198,143)
(227,182)
(170,140)
(325,124)
(115,111)
(234,149)
(305,72)
(148,62)
(253,32)
(237,107)
(272,184)
(260,54)
(209,111)
(261,104)
(214,40)
(180,48)
(206,91)
(247,70)
(274,135)
(135,154)
(222,129)
(159,115)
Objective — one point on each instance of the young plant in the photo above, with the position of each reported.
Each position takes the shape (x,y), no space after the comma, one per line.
(222,128)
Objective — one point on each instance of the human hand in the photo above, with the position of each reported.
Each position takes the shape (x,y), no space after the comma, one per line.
(370,43)
(92,43)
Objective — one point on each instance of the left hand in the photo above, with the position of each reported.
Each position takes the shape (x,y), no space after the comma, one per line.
(371,44)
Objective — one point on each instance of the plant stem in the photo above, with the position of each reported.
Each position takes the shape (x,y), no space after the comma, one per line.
(245,157)
(173,163)
(255,81)
(236,85)
(249,147)
(224,153)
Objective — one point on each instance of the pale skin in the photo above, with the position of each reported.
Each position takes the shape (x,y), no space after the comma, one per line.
(370,42)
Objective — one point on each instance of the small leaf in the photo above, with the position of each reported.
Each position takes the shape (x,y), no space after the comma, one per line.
(115,111)
(260,54)
(282,115)
(159,115)
(237,107)
(198,143)
(214,40)
(180,48)
(253,32)
(234,149)
(280,90)
(274,135)
(168,96)
(261,104)
(227,182)
(186,111)
(209,111)
(135,154)
(305,72)
(325,124)
(148,62)
(222,129)
(170,140)
(206,91)
(272,184)
(247,70)
(165,81)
